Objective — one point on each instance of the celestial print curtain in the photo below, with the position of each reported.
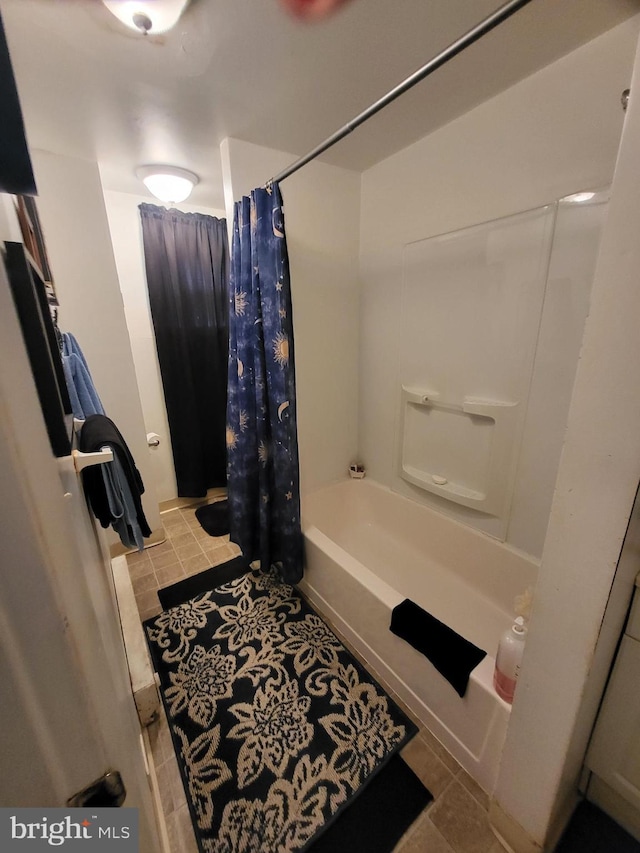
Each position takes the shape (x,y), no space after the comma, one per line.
(262,442)
(186,262)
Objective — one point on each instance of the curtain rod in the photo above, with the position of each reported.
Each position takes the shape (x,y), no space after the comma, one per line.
(448,53)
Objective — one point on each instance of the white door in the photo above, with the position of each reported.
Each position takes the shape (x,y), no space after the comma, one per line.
(66,710)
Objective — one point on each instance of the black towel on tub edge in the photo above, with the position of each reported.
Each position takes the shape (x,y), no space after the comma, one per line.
(452,655)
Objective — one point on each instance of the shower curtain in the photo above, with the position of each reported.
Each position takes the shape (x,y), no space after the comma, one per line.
(262,443)
(186,260)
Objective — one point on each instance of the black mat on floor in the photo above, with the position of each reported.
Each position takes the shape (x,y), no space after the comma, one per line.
(178,593)
(380,816)
(214,518)
(346,789)
(590,830)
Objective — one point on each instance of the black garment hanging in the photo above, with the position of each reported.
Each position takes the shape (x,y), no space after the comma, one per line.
(99,431)
(186,259)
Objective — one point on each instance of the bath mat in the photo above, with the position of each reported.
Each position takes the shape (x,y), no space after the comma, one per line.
(452,655)
(214,518)
(380,816)
(388,805)
(276,727)
(178,593)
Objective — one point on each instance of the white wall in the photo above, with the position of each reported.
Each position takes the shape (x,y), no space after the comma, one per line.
(596,486)
(576,239)
(322,212)
(554,133)
(74,221)
(126,237)
(9,227)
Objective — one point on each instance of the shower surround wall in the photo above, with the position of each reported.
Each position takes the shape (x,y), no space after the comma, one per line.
(492,321)
(554,133)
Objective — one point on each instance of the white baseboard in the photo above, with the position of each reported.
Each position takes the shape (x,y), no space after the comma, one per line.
(509,832)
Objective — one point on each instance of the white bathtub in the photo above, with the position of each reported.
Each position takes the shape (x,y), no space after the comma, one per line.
(367,549)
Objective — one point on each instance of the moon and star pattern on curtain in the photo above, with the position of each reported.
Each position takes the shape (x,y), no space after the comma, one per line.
(262,442)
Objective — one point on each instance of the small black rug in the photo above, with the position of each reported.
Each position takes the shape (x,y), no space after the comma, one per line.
(178,593)
(590,830)
(279,732)
(214,518)
(380,816)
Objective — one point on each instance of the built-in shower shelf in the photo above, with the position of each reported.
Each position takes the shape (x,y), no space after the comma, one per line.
(460,451)
(433,482)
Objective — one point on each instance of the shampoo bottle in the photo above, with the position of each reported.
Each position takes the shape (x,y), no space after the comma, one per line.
(508,659)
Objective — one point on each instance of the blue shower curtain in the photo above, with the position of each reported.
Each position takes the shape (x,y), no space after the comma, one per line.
(262,443)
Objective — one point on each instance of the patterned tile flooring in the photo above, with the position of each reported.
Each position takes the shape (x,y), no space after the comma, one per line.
(455,822)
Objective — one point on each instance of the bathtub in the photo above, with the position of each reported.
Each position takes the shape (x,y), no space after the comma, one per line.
(367,549)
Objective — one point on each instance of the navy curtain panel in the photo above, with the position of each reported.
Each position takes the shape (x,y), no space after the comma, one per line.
(186,260)
(262,441)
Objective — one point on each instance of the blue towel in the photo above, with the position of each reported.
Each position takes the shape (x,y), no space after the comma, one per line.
(124,518)
(82,393)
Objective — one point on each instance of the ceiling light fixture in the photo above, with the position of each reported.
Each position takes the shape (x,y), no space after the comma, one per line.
(579,198)
(168,183)
(147,16)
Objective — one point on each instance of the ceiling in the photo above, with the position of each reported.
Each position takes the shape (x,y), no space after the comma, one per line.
(243,68)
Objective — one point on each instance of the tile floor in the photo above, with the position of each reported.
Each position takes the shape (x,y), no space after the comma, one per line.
(187,550)
(455,822)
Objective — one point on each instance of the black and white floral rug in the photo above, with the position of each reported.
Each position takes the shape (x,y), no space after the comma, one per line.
(277,727)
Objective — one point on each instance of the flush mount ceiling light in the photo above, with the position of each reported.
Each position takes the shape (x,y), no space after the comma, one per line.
(168,183)
(147,16)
